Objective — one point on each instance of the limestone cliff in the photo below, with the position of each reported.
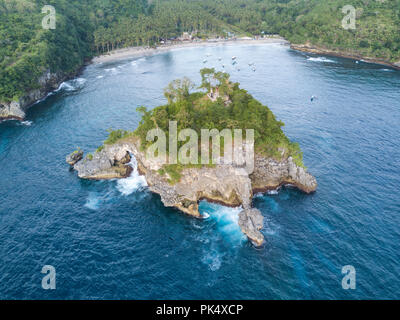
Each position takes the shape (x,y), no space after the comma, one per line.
(225,184)
(309,48)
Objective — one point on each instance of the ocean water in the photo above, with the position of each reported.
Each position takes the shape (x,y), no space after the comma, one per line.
(115,240)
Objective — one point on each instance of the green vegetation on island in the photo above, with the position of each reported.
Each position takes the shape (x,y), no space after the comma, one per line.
(90,27)
(230,107)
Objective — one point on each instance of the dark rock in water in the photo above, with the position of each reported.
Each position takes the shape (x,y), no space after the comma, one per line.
(74,157)
(251,222)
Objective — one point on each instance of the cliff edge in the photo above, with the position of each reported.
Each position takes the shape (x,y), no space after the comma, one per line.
(225,184)
(270,158)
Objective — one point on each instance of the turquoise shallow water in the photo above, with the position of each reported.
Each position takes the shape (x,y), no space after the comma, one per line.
(115,240)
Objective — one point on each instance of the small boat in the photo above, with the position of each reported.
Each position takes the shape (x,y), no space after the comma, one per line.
(205,61)
(233,58)
(313,98)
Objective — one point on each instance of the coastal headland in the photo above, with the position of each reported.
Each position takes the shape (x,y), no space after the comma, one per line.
(49,82)
(183,183)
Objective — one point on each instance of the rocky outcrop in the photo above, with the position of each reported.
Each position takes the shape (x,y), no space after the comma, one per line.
(270,174)
(46,83)
(109,163)
(74,157)
(11,110)
(222,184)
(225,184)
(251,222)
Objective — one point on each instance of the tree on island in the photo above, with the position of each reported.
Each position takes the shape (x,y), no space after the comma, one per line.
(197,111)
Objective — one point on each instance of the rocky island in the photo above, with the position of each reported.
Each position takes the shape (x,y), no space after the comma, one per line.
(221,104)
(46,83)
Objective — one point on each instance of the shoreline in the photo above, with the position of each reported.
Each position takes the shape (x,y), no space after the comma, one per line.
(50,87)
(326,52)
(136,52)
(128,53)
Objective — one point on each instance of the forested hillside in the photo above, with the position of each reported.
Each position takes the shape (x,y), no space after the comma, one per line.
(89,27)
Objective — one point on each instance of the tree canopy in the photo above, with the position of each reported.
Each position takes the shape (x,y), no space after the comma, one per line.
(196,111)
(90,27)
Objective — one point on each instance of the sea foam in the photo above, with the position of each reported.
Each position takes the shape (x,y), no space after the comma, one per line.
(320,59)
(133,183)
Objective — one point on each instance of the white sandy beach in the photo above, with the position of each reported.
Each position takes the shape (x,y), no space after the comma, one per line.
(133,52)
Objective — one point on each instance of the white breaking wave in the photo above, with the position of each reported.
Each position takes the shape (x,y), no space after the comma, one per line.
(227,220)
(273,192)
(320,59)
(205,215)
(79,81)
(133,183)
(65,86)
(26,123)
(71,85)
(113,71)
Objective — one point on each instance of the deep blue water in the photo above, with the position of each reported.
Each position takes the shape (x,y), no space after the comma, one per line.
(115,240)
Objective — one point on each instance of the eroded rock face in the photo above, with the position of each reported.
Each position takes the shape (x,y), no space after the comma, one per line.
(16,109)
(269,174)
(251,222)
(222,184)
(11,110)
(225,184)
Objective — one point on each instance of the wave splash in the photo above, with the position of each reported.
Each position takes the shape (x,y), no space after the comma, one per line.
(134,182)
(26,123)
(71,85)
(320,59)
(226,220)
